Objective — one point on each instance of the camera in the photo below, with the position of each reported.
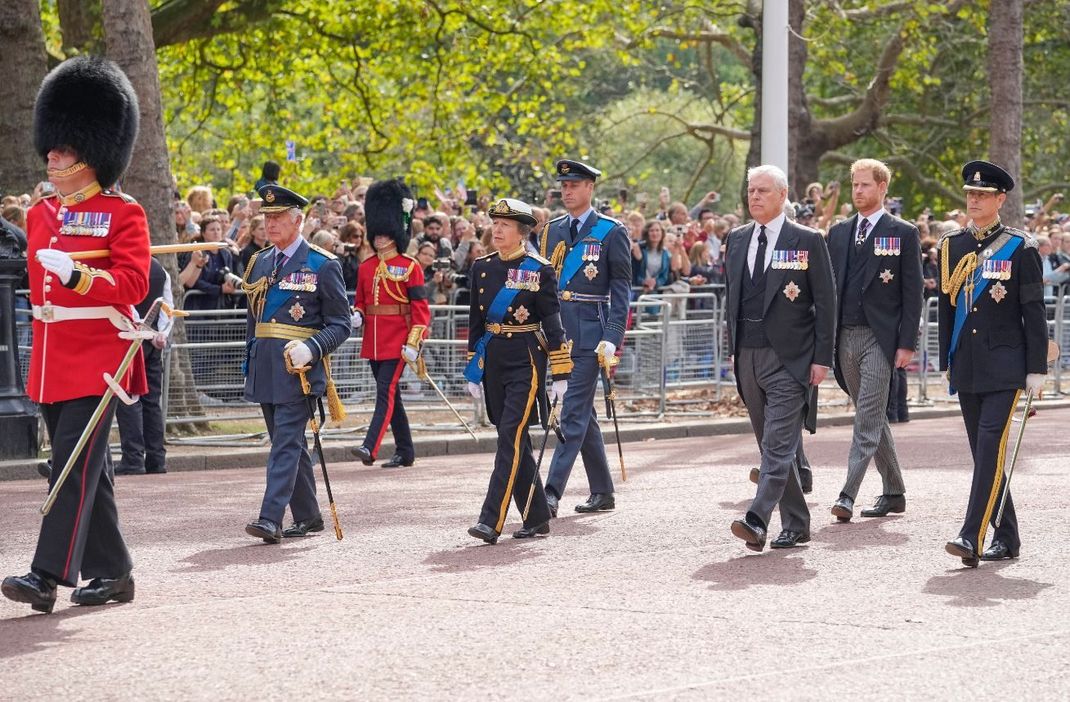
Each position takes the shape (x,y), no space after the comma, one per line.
(471,199)
(441,264)
(229,277)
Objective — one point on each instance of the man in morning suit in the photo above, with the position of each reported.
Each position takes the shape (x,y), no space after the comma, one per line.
(781,323)
(877,262)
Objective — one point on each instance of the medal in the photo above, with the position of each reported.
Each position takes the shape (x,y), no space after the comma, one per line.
(591,271)
(998,292)
(297,312)
(791,291)
(886,276)
(521,315)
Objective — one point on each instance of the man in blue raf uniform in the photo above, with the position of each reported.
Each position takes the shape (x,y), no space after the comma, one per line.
(591,253)
(993,343)
(514,333)
(297,308)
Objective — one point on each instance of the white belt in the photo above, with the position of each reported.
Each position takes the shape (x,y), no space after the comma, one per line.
(49,313)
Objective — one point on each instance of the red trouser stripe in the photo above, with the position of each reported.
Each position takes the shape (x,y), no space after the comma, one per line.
(81,500)
(389,414)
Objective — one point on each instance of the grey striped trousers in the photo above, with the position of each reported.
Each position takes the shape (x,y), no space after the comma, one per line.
(868,376)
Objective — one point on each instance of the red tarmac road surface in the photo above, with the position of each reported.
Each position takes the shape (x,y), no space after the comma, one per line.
(654,601)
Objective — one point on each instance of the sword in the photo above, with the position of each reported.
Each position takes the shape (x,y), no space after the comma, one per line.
(141,332)
(154,250)
(420,368)
(611,407)
(1053,355)
(551,423)
(306,388)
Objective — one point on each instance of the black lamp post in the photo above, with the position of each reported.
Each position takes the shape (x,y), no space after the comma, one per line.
(18,415)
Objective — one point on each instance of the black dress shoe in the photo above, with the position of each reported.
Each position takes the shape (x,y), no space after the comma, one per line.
(396,461)
(754,475)
(807,479)
(44,469)
(789,539)
(264,529)
(102,590)
(36,590)
(753,534)
(843,508)
(156,470)
(998,551)
(302,527)
(482,531)
(129,470)
(885,505)
(363,454)
(963,549)
(551,502)
(531,531)
(598,502)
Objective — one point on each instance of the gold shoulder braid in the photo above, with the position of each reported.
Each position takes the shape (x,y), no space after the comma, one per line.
(557,259)
(950,284)
(545,232)
(255,293)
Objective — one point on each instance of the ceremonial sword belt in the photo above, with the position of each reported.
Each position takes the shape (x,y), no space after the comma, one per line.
(289,332)
(49,313)
(569,296)
(388,309)
(499,329)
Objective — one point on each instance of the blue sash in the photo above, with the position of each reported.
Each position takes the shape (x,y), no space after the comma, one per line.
(962,308)
(473,372)
(575,257)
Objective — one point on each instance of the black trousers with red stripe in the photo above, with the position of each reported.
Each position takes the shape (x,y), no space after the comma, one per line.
(988,425)
(80,534)
(389,410)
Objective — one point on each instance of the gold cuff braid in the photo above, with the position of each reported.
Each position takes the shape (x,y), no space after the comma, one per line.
(416,337)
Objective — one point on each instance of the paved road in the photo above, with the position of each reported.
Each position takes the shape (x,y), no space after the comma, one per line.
(655,601)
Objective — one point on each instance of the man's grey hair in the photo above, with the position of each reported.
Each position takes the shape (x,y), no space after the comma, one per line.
(295,214)
(780,179)
(789,210)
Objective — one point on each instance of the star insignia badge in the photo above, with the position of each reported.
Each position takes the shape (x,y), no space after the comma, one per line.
(791,291)
(521,315)
(886,276)
(297,312)
(998,292)
(591,271)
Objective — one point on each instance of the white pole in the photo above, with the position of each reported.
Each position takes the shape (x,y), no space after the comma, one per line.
(774,134)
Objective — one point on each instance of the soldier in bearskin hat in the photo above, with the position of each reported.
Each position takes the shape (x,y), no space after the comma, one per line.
(391,305)
(85,123)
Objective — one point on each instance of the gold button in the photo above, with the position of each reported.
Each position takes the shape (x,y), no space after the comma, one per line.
(510,309)
(48,288)
(974,331)
(54,239)
(974,309)
(482,275)
(567,295)
(481,307)
(48,279)
(273,321)
(481,291)
(509,335)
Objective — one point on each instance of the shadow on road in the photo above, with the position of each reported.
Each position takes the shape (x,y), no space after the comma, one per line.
(863,533)
(770,568)
(983,586)
(476,556)
(35,632)
(245,555)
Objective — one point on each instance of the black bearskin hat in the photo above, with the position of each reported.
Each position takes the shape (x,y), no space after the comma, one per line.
(388,206)
(87,104)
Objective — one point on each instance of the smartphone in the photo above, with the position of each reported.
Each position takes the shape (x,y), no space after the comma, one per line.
(421,203)
(555,194)
(471,198)
(47,188)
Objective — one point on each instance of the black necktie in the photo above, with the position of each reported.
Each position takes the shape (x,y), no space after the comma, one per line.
(860,238)
(574,229)
(759,258)
(280,261)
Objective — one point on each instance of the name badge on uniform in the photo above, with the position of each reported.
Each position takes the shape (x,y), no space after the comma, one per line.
(996,270)
(886,245)
(790,260)
(299,280)
(85,224)
(519,279)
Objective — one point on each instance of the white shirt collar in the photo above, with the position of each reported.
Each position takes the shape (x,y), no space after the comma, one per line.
(582,218)
(290,250)
(873,219)
(772,229)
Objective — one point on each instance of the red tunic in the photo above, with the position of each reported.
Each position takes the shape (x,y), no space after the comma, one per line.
(391,296)
(69,358)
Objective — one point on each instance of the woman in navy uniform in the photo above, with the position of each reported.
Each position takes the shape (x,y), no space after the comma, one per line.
(514,330)
(993,343)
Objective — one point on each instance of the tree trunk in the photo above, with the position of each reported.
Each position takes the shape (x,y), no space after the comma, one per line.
(1005,72)
(79,21)
(128,34)
(802,166)
(23,65)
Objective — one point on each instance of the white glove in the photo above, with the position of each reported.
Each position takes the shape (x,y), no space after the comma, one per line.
(299,353)
(606,350)
(1034,382)
(557,391)
(58,262)
(356,319)
(410,353)
(475,390)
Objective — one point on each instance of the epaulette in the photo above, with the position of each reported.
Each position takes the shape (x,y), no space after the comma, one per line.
(615,221)
(948,235)
(538,258)
(1028,240)
(252,262)
(558,218)
(319,250)
(122,196)
(484,257)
